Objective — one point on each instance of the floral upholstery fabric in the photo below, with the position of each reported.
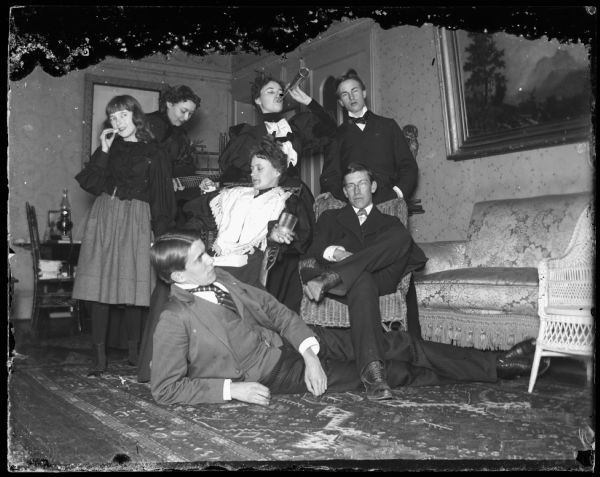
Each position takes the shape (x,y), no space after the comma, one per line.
(504,290)
(442,255)
(521,232)
(488,297)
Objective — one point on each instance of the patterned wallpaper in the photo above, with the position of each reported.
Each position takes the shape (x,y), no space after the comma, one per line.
(407,89)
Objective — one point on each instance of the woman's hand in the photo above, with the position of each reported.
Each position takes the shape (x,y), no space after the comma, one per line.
(207,185)
(107,137)
(300,95)
(281,235)
(254,393)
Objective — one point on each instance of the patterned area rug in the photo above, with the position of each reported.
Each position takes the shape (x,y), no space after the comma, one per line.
(90,420)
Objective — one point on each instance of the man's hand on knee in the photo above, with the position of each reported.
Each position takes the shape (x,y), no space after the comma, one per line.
(253,393)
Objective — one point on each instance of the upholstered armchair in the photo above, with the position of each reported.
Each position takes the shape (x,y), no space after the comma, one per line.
(330,312)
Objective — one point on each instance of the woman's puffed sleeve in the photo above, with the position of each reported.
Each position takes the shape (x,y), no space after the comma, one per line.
(234,162)
(95,177)
(315,127)
(162,196)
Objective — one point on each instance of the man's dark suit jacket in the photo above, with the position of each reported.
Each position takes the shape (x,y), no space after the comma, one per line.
(341,227)
(381,147)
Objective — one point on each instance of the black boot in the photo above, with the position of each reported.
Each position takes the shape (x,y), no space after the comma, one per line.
(523,349)
(516,367)
(374,379)
(100,361)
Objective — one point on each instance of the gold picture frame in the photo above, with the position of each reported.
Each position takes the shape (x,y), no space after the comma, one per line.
(509,127)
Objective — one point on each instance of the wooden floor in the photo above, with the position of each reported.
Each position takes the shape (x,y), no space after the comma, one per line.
(42,432)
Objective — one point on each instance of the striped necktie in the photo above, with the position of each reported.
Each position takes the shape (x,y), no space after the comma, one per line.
(362,216)
(223,297)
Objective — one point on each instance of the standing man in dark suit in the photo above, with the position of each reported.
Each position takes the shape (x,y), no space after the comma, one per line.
(370,139)
(360,254)
(219,339)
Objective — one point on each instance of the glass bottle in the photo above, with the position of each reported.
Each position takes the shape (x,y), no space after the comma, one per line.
(64,223)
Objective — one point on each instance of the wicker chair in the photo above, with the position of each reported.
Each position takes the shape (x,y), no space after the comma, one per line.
(330,312)
(566,299)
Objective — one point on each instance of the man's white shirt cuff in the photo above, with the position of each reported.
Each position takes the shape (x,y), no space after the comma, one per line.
(227,390)
(398,192)
(309,343)
(329,251)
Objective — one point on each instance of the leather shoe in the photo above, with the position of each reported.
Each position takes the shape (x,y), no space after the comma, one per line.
(374,379)
(514,368)
(310,268)
(520,350)
(327,282)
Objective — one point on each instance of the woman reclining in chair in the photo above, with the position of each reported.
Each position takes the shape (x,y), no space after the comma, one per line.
(246,223)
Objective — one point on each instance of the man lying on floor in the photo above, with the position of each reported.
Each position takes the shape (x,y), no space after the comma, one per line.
(219,339)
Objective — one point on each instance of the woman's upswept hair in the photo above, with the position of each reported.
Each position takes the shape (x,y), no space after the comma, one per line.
(178,94)
(129,103)
(169,252)
(259,83)
(270,149)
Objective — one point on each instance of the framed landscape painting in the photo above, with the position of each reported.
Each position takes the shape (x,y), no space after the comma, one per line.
(502,93)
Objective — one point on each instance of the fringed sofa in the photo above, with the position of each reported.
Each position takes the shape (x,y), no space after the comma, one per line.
(483,292)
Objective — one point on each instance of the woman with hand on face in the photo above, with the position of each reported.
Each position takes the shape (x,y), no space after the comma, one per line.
(130,175)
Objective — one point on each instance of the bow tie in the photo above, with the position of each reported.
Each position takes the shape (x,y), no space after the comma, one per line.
(272,117)
(223,297)
(288,137)
(361,120)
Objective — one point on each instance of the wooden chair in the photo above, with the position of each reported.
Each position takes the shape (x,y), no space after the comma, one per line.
(48,293)
(330,312)
(566,299)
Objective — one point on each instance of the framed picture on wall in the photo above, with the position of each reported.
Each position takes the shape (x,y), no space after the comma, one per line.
(99,90)
(502,93)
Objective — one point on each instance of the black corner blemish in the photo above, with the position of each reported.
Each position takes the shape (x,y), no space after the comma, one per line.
(82,36)
(121,459)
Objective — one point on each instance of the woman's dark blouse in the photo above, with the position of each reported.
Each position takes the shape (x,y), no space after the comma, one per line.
(174,139)
(312,130)
(133,170)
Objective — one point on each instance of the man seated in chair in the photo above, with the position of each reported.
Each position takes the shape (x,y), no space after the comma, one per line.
(360,254)
(220,339)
